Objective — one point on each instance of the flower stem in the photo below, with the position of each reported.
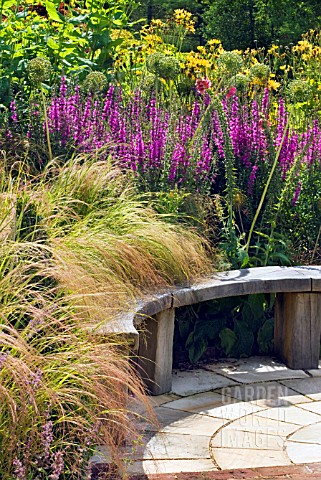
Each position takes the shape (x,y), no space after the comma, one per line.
(46,123)
(247,246)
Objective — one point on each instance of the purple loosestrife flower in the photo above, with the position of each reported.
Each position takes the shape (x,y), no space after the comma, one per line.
(255,142)
(218,136)
(109,103)
(234,126)
(252,179)
(244,139)
(296,194)
(281,125)
(266,103)
(195,119)
(203,166)
(13,111)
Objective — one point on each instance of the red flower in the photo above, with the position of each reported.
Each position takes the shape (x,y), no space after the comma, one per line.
(231,92)
(202,84)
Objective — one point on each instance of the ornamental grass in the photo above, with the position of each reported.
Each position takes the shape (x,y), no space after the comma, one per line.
(77,246)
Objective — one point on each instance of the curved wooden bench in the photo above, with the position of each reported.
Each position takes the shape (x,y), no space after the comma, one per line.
(297,317)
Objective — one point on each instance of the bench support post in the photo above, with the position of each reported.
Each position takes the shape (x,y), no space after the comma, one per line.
(155,355)
(297,329)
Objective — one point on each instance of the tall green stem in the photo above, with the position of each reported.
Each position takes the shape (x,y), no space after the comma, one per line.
(258,210)
(46,123)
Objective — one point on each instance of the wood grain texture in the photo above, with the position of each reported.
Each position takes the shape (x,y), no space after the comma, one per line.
(298,329)
(155,355)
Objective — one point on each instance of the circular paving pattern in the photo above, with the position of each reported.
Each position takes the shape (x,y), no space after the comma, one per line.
(245,414)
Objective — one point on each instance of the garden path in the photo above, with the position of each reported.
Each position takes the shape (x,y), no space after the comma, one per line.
(234,414)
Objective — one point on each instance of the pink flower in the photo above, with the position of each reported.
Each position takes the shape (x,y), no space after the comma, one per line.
(202,84)
(231,92)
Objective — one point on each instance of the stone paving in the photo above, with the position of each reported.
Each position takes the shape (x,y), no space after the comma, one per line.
(233,414)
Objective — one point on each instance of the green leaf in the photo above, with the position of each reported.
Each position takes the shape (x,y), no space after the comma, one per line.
(118,23)
(280,256)
(243,258)
(228,340)
(209,328)
(8,4)
(265,336)
(245,339)
(197,349)
(184,326)
(52,12)
(52,44)
(77,20)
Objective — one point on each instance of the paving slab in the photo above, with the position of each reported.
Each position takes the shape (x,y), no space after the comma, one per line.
(310,434)
(214,405)
(292,414)
(229,438)
(256,369)
(185,383)
(266,426)
(195,425)
(177,446)
(158,467)
(310,387)
(227,458)
(314,407)
(164,416)
(269,394)
(198,401)
(159,400)
(303,452)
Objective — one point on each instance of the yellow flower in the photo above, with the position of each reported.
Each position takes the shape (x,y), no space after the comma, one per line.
(214,41)
(273,49)
(273,84)
(202,50)
(157,23)
(183,18)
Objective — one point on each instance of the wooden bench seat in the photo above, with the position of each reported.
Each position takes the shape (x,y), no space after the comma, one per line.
(297,317)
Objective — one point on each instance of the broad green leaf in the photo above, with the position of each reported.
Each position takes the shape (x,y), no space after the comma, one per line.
(245,339)
(8,4)
(52,44)
(78,19)
(265,336)
(184,327)
(228,340)
(197,349)
(52,12)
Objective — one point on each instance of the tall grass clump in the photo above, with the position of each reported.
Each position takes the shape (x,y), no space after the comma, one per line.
(63,391)
(106,226)
(77,246)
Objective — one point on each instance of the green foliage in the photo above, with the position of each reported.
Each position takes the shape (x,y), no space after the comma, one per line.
(228,339)
(74,40)
(236,327)
(249,23)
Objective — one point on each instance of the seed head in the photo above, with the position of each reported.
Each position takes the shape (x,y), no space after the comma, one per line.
(38,70)
(95,82)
